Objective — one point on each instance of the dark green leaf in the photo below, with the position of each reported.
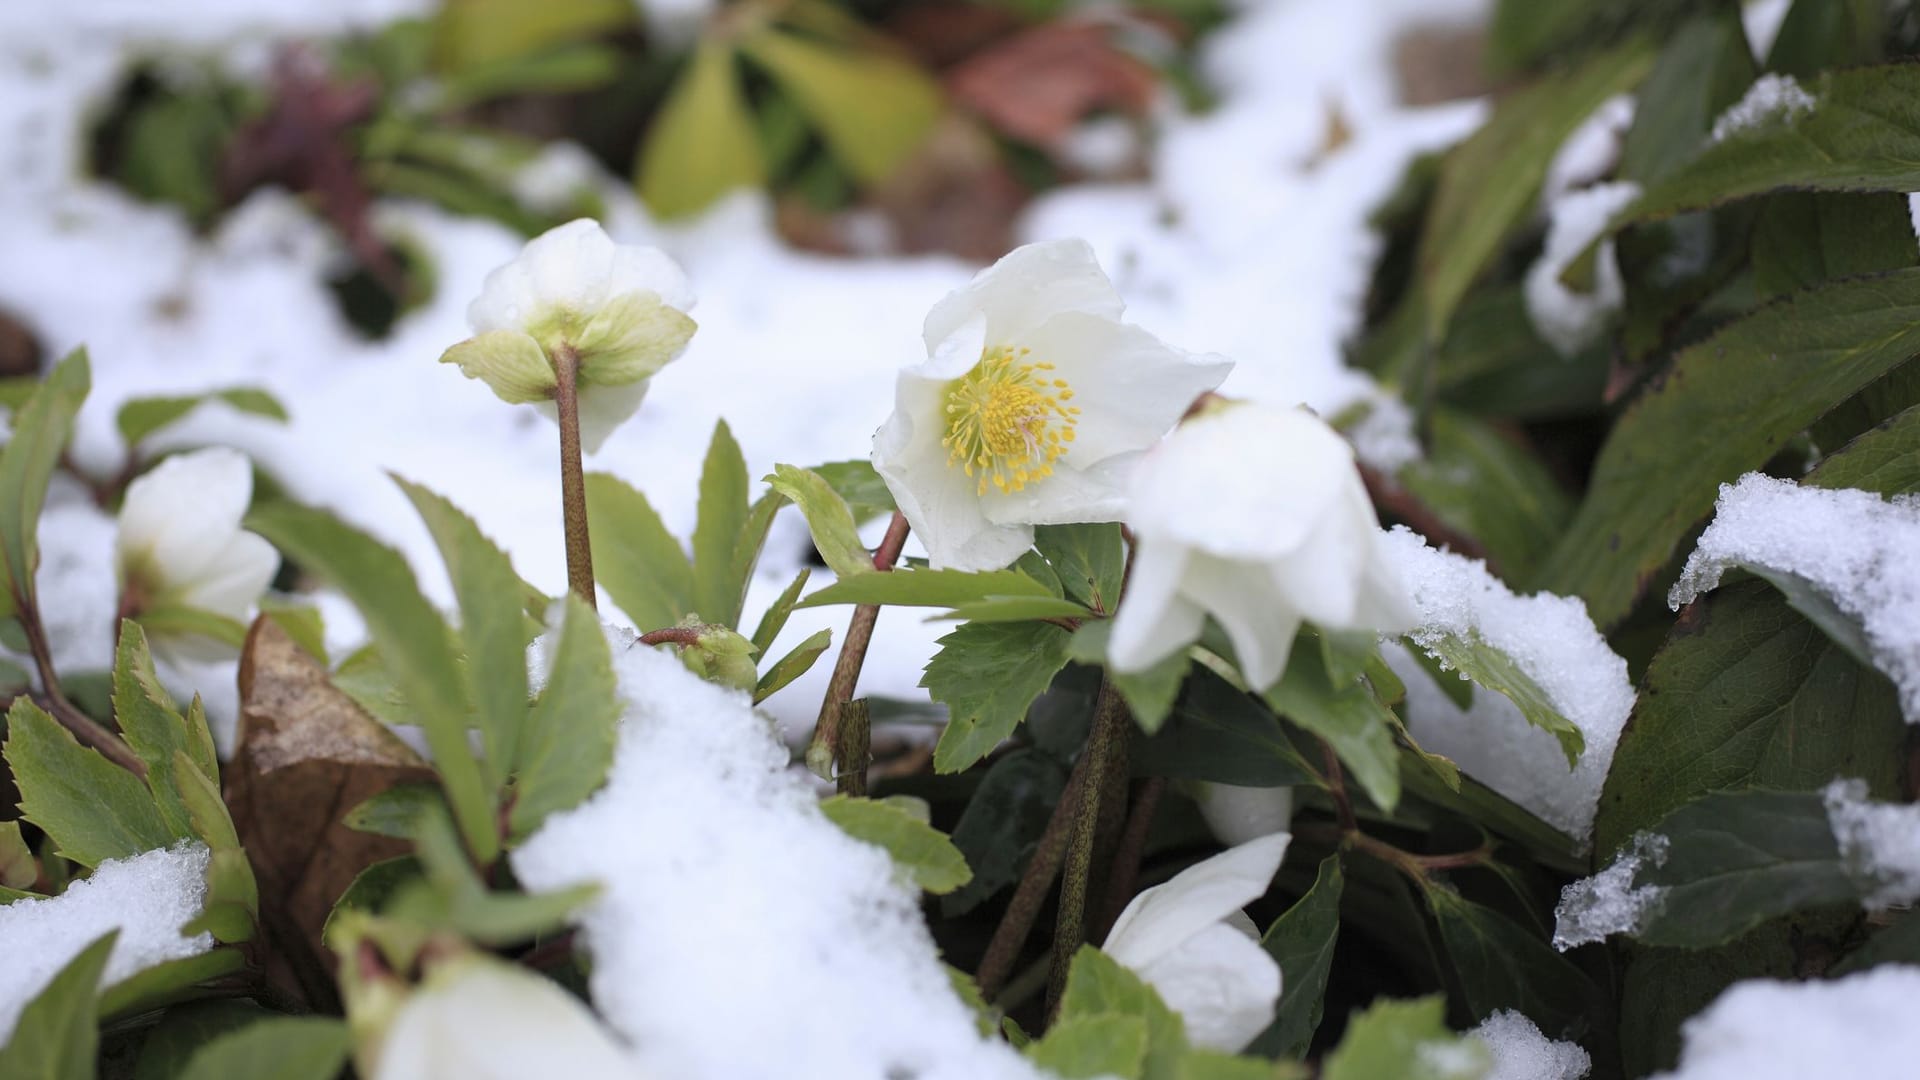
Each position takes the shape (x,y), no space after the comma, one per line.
(1348,717)
(41,429)
(917,848)
(568,744)
(857,482)
(492,627)
(1705,66)
(413,640)
(1494,670)
(1090,560)
(1818,34)
(1221,734)
(166,983)
(91,808)
(1001,824)
(1399,1039)
(1149,694)
(1487,487)
(54,1037)
(396,811)
(1301,942)
(1727,406)
(185,1029)
(1885,460)
(635,558)
(1503,965)
(1746,693)
(987,674)
(1897,944)
(284,1047)
(370,891)
(1018,609)
(1803,239)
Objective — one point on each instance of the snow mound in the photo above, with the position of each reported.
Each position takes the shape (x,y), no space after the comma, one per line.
(1772,99)
(1860,1027)
(1520,1052)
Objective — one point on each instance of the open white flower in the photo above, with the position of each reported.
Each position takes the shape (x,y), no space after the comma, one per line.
(1190,940)
(1257,516)
(1033,405)
(620,310)
(182,555)
(475,1018)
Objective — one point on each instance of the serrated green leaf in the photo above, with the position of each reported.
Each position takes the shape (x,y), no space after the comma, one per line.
(1884,460)
(1723,410)
(988,674)
(185,1028)
(568,743)
(18,868)
(1018,609)
(414,642)
(395,812)
(774,619)
(1099,985)
(284,1047)
(1406,1040)
(873,109)
(153,728)
(54,1037)
(492,630)
(929,588)
(141,417)
(722,516)
(828,519)
(40,432)
(1805,239)
(635,558)
(1491,669)
(702,144)
(1218,733)
(1348,717)
(1084,1047)
(793,665)
(200,795)
(1301,941)
(917,848)
(91,808)
(857,481)
(1090,559)
(1745,694)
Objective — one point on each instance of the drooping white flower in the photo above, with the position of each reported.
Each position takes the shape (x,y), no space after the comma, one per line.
(621,309)
(1236,814)
(1257,516)
(1190,940)
(475,1018)
(181,552)
(1032,407)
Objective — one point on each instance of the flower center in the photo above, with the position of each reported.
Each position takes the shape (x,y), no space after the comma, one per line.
(1007,420)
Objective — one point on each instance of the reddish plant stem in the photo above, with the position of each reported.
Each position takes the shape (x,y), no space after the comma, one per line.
(1336,779)
(1023,910)
(573,481)
(672,635)
(827,743)
(84,728)
(1133,848)
(1108,737)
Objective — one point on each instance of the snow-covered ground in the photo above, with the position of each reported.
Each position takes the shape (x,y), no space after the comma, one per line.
(1250,242)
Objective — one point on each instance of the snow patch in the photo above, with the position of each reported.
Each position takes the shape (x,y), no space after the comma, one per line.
(1772,99)
(1521,1052)
(1860,1027)
(1595,908)
(731,904)
(1589,154)
(1880,842)
(147,898)
(1551,639)
(1565,319)
(1853,546)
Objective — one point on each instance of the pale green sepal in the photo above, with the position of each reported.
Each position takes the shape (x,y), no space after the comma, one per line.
(631,337)
(509,361)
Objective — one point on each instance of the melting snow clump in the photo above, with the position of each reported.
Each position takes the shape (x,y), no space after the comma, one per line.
(147,898)
(1856,548)
(1592,909)
(1568,320)
(1520,1052)
(1771,99)
(1591,152)
(1860,1027)
(1879,841)
(1551,639)
(730,904)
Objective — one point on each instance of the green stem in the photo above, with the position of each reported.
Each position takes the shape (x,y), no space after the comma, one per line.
(573,481)
(1107,739)
(1010,937)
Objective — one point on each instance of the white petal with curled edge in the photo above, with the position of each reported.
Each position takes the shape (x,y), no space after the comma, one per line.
(178,517)
(1154,619)
(1026,287)
(485,1020)
(1258,617)
(1130,386)
(1237,814)
(1224,985)
(1159,920)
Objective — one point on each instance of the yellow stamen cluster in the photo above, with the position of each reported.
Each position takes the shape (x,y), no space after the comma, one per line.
(1008,420)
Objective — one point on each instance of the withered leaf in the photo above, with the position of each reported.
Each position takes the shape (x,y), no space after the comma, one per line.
(1035,87)
(306,754)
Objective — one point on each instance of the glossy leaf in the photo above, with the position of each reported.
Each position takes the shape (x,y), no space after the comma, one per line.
(1302,942)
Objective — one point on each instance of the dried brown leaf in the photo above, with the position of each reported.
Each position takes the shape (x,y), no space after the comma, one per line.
(1037,86)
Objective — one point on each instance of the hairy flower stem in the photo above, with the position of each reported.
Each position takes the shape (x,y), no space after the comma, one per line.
(828,747)
(84,728)
(1125,873)
(573,481)
(1023,910)
(1107,739)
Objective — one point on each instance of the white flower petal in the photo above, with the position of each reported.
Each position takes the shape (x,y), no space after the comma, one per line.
(507,300)
(1070,495)
(1154,620)
(1025,288)
(1223,984)
(648,269)
(485,1020)
(1238,814)
(1129,385)
(1322,578)
(1162,918)
(177,518)
(238,575)
(602,409)
(571,265)
(1259,619)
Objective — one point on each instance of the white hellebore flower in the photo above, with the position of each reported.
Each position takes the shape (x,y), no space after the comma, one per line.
(1189,939)
(181,552)
(1257,516)
(618,311)
(474,1018)
(1032,406)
